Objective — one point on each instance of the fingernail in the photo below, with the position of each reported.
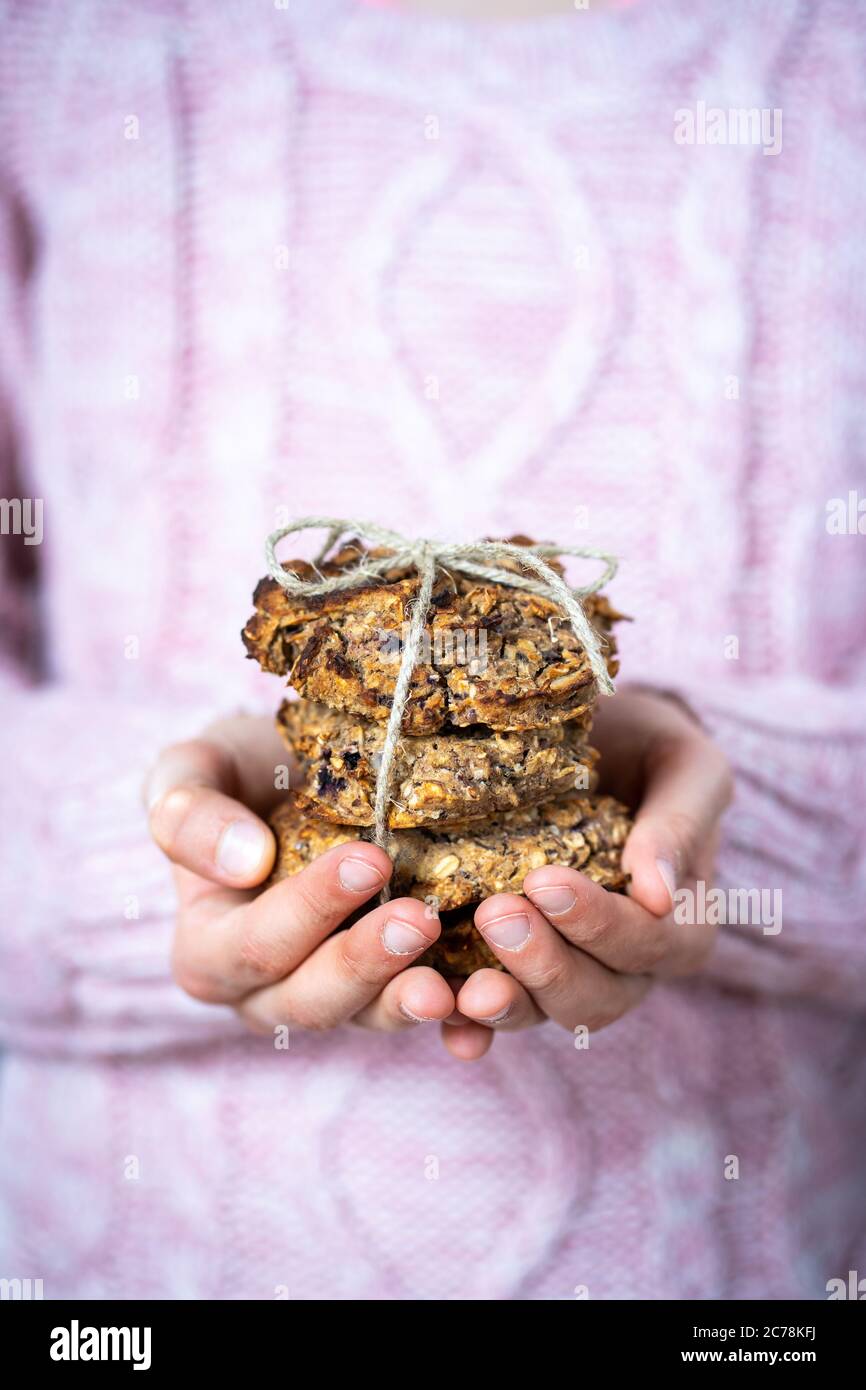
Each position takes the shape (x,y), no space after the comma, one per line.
(401,939)
(358,876)
(668,876)
(241,848)
(500,1017)
(553,901)
(509,932)
(413,1018)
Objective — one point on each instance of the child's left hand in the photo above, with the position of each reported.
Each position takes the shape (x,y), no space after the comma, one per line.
(576,953)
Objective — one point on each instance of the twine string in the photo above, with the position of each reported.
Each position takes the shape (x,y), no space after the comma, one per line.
(408,660)
(480,560)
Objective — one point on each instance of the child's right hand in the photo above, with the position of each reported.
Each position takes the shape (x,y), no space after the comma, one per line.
(272,955)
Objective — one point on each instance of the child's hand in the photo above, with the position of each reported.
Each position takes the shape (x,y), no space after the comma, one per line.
(271,954)
(583,956)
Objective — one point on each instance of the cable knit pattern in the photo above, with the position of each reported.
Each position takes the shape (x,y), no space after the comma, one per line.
(463,280)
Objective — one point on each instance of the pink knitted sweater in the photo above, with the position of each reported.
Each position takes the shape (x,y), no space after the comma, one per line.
(462,280)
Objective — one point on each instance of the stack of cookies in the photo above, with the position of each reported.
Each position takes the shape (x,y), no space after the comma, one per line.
(493,775)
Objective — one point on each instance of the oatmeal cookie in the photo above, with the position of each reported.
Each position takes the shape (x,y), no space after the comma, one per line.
(439,779)
(491,654)
(464,864)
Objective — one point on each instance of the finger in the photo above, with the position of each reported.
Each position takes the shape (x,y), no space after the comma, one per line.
(345,973)
(614,929)
(197,821)
(496,1000)
(417,995)
(627,727)
(225,948)
(468,1042)
(241,756)
(212,836)
(566,984)
(688,786)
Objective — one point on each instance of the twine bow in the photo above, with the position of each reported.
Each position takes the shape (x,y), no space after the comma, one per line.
(481,560)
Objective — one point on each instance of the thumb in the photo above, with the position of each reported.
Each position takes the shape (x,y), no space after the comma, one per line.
(198,822)
(688,786)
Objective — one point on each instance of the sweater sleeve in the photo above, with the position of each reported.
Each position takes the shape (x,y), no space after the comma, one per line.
(86,900)
(797,831)
(88,916)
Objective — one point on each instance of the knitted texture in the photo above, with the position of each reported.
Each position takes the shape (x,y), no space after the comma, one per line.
(257,262)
